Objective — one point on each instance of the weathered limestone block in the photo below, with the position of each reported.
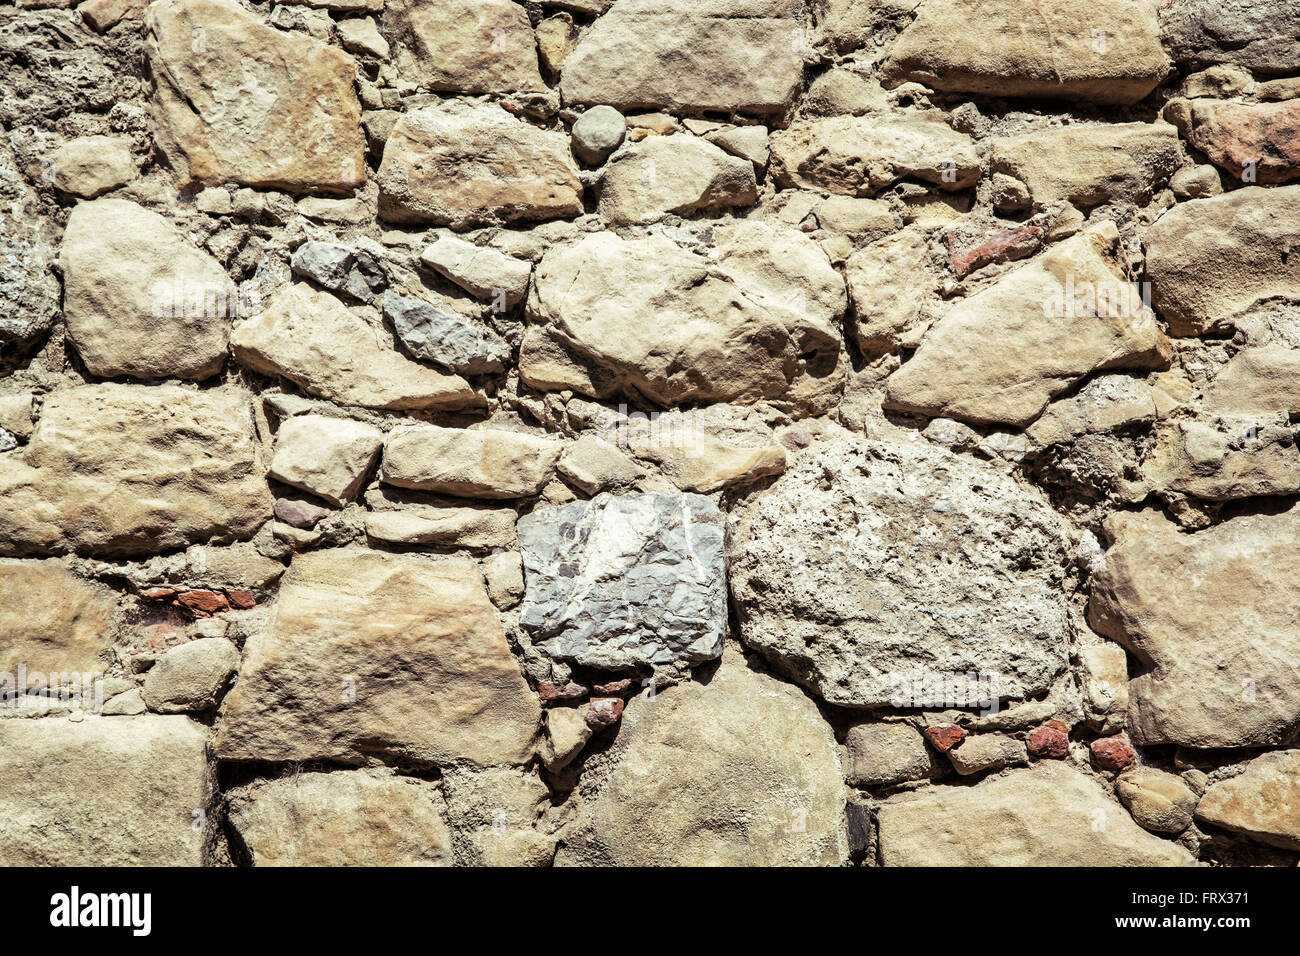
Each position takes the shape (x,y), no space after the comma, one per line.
(468,46)
(87,166)
(121,791)
(1234,458)
(686,56)
(344,818)
(647,317)
(469,462)
(191,676)
(1262,381)
(238,101)
(1159,801)
(483,273)
(1262,802)
(866,562)
(738,771)
(126,470)
(51,620)
(1263,38)
(1106,51)
(460,166)
(139,299)
(1211,616)
(1211,259)
(329,457)
(1048,815)
(326,349)
(625,580)
(680,174)
(883,754)
(1261,140)
(888,281)
(1065,315)
(370,654)
(861,155)
(1093,164)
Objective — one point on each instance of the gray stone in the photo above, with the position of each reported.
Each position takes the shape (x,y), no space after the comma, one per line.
(192,676)
(867,562)
(624,580)
(1262,37)
(597,133)
(29,292)
(881,754)
(353,272)
(120,792)
(447,340)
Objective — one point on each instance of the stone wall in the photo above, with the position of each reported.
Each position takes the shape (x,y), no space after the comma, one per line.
(830,432)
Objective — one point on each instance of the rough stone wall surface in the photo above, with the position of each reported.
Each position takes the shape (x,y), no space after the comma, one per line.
(819,432)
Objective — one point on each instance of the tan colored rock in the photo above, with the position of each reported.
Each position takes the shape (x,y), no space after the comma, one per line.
(567,732)
(1220,461)
(329,457)
(103,15)
(1065,315)
(1104,404)
(593,465)
(370,654)
(504,574)
(469,462)
(90,165)
(993,47)
(1159,801)
(1092,164)
(16,414)
(883,754)
(52,621)
(701,462)
(329,350)
(1209,260)
(1048,815)
(345,818)
(856,216)
(685,56)
(1263,802)
(986,752)
(459,166)
(139,299)
(889,281)
(130,469)
(755,321)
(747,142)
(191,676)
(1210,616)
(466,46)
(680,174)
(1256,140)
(399,520)
(238,101)
(1105,687)
(122,791)
(1196,182)
(861,155)
(1262,381)
(494,813)
(739,771)
(556,38)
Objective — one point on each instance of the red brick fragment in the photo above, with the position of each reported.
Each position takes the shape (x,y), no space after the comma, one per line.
(1050,741)
(203,601)
(615,688)
(944,736)
(604,712)
(243,600)
(549,691)
(1112,753)
(157,594)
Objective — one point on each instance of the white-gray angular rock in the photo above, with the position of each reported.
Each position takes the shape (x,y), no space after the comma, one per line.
(483,273)
(625,580)
(597,133)
(192,676)
(444,339)
(353,272)
(868,560)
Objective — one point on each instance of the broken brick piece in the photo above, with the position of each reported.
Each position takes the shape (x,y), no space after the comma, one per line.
(944,736)
(604,712)
(204,602)
(1050,741)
